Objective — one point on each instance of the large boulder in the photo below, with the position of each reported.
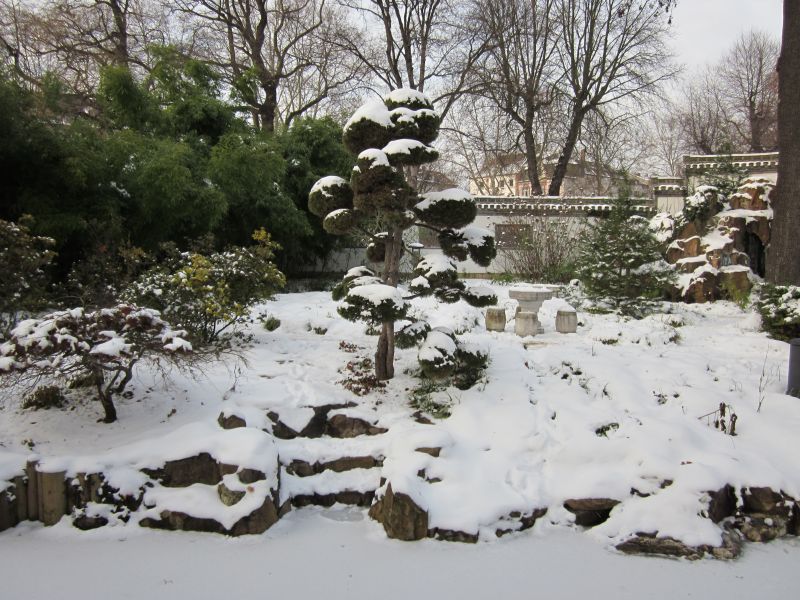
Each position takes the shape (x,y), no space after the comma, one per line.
(401,518)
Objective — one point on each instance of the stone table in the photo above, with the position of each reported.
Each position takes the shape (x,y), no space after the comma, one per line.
(530,300)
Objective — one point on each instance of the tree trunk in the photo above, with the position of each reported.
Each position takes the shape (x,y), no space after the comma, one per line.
(783,253)
(566,153)
(268,107)
(384,356)
(104,395)
(531,160)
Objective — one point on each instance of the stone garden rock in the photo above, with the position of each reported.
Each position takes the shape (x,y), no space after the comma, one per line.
(649,543)
(401,518)
(590,511)
(762,527)
(342,426)
(231,421)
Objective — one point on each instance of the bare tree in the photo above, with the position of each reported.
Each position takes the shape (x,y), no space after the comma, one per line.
(270,50)
(749,83)
(666,141)
(703,116)
(517,72)
(417,44)
(74,39)
(609,50)
(483,145)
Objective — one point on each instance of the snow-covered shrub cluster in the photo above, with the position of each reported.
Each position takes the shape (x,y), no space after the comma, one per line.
(700,206)
(103,346)
(210,295)
(779,306)
(22,279)
(620,262)
(391,139)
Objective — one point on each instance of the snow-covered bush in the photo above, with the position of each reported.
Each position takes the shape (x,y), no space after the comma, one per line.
(702,204)
(210,295)
(22,278)
(103,345)
(779,306)
(391,139)
(620,261)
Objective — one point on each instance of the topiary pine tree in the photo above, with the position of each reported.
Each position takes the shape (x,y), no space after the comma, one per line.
(391,139)
(620,261)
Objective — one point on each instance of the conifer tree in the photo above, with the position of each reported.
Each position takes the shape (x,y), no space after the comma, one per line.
(620,261)
(391,139)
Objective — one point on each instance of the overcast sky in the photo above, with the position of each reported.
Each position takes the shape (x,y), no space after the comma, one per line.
(703,30)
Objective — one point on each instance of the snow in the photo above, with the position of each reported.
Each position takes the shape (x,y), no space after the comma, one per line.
(378,293)
(474,235)
(114,347)
(327,182)
(525,438)
(405,95)
(350,559)
(437,346)
(435,264)
(403,146)
(377,157)
(375,111)
(452,194)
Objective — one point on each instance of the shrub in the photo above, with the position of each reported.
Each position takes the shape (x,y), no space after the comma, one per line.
(620,261)
(210,295)
(545,250)
(23,281)
(44,397)
(104,345)
(779,306)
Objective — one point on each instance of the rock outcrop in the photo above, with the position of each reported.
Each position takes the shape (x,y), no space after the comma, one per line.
(716,243)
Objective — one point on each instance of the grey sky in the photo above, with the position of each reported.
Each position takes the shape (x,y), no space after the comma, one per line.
(703,30)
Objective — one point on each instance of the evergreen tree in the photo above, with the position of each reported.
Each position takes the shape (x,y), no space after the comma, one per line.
(391,139)
(620,261)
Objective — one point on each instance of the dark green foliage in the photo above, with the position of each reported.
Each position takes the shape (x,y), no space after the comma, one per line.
(779,306)
(341,221)
(23,282)
(365,133)
(248,169)
(329,194)
(620,261)
(311,149)
(453,244)
(412,334)
(452,208)
(376,250)
(483,254)
(479,296)
(361,305)
(417,154)
(437,355)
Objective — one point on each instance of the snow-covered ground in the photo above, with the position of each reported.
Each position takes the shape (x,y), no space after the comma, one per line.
(340,553)
(619,406)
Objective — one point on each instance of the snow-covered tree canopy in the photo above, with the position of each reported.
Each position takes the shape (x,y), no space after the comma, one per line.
(391,139)
(104,345)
